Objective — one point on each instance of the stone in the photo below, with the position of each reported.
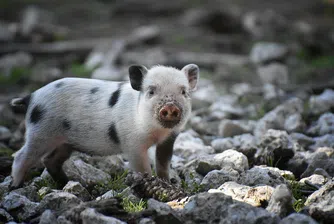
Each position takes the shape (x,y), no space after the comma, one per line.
(5,216)
(109,73)
(276,149)
(323,141)
(321,203)
(7,32)
(236,158)
(149,58)
(19,59)
(281,201)
(203,126)
(47,217)
(226,107)
(322,103)
(315,179)
(274,73)
(265,52)
(212,19)
(245,143)
(43,74)
(298,164)
(271,91)
(303,140)
(264,24)
(276,118)
(320,160)
(19,206)
(5,133)
(190,147)
(297,218)
(324,125)
(29,191)
(220,208)
(146,221)
(78,190)
(108,195)
(164,213)
(59,201)
(89,215)
(145,35)
(262,175)
(294,123)
(216,178)
(86,174)
(230,128)
(255,196)
(205,95)
(112,165)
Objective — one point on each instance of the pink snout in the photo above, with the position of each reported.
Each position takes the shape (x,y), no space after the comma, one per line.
(170,112)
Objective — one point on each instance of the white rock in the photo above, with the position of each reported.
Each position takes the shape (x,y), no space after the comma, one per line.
(274,73)
(322,103)
(231,156)
(266,52)
(190,147)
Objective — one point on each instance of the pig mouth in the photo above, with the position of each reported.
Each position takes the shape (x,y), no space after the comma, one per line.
(168,124)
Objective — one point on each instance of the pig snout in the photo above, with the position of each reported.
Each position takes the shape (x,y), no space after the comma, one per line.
(170,115)
(170,112)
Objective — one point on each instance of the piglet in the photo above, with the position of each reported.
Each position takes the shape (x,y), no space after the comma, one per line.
(106,118)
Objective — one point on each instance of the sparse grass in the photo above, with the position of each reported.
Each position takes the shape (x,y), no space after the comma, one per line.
(131,207)
(193,187)
(323,62)
(116,183)
(44,182)
(6,152)
(296,188)
(15,75)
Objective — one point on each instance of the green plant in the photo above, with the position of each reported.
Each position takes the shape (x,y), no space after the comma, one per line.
(131,207)
(296,190)
(116,183)
(299,204)
(79,70)
(15,75)
(193,187)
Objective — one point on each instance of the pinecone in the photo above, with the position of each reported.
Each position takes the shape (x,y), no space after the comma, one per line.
(146,186)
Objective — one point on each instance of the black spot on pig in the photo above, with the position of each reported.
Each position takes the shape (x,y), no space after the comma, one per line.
(113,133)
(94,90)
(59,84)
(66,124)
(36,114)
(114,97)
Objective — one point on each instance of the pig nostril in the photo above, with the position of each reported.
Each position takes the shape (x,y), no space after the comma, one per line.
(164,113)
(175,114)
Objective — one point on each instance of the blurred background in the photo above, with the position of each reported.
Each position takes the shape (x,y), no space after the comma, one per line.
(285,43)
(254,56)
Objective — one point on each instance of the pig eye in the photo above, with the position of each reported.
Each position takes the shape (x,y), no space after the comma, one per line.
(183,92)
(151,92)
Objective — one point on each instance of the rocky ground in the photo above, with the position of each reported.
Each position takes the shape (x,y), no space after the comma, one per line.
(259,147)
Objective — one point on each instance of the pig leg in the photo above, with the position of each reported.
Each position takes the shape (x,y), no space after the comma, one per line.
(54,162)
(164,153)
(138,160)
(26,158)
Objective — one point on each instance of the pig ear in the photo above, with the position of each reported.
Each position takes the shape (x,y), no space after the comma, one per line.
(192,73)
(136,74)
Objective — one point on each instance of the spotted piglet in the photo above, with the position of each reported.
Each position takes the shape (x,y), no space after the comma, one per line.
(105,118)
